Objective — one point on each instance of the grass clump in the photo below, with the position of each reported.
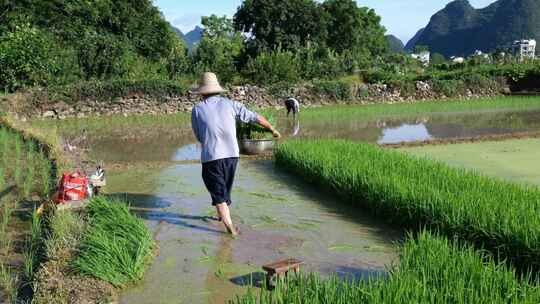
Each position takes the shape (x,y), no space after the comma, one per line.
(116,246)
(414,192)
(431,270)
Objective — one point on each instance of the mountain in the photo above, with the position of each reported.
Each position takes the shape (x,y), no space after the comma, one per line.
(178,32)
(194,36)
(459,29)
(409,47)
(395,45)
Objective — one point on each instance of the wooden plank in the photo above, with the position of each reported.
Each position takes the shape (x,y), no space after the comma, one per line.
(282,266)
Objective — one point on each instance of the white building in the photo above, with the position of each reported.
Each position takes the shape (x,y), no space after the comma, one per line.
(524,49)
(423,57)
(457,60)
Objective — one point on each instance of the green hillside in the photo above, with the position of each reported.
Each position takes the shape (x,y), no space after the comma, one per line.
(395,45)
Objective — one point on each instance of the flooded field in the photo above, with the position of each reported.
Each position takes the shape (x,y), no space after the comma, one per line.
(278,215)
(177,146)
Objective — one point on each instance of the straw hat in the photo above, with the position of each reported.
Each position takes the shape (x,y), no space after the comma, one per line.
(208,85)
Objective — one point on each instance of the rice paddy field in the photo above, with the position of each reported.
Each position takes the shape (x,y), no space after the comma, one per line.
(25,179)
(430,224)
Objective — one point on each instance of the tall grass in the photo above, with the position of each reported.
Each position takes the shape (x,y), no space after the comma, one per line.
(494,214)
(64,234)
(116,246)
(431,270)
(24,165)
(33,248)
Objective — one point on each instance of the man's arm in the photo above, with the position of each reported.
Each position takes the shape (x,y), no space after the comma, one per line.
(264,122)
(247,116)
(195,125)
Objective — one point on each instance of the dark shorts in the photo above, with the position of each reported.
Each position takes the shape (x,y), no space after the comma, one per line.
(218,177)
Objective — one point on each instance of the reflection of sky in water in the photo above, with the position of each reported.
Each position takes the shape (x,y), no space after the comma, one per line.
(405,133)
(189,152)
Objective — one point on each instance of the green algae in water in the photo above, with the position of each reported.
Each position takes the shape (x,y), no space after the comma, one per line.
(268,196)
(341,247)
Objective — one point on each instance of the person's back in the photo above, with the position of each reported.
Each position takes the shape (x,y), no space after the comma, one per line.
(214,124)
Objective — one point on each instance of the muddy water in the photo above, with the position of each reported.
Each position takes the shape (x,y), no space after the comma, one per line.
(406,129)
(384,131)
(278,216)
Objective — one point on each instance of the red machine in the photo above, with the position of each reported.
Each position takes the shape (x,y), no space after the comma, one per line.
(72,187)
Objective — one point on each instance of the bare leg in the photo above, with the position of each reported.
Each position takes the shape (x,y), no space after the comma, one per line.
(225,215)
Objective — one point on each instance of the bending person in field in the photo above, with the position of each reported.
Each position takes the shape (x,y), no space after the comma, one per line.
(214,123)
(293,105)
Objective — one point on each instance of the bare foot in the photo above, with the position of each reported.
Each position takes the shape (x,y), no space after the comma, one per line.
(232,230)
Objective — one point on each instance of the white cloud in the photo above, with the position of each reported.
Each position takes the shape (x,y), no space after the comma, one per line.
(186,23)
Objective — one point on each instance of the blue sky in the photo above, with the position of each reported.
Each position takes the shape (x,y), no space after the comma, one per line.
(400,17)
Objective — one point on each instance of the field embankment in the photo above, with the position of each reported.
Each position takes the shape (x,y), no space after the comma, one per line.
(48,258)
(28,167)
(90,256)
(432,269)
(408,191)
(131,97)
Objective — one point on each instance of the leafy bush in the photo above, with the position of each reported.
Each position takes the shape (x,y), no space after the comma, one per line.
(449,88)
(494,214)
(406,87)
(337,90)
(116,246)
(109,90)
(273,67)
(26,58)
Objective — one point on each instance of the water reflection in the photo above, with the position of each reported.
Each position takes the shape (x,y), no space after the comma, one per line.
(188,152)
(421,128)
(405,133)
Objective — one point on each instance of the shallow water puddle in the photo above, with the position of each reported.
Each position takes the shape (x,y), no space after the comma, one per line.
(198,263)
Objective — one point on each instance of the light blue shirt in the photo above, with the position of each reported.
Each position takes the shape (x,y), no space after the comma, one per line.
(214,124)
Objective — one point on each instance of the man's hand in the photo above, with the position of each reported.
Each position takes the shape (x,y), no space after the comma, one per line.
(276,134)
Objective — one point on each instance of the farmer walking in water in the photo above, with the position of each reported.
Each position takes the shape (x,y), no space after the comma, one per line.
(214,123)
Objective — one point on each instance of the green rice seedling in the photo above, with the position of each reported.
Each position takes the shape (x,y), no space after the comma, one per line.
(9,283)
(2,178)
(32,251)
(4,146)
(36,231)
(494,214)
(64,234)
(431,270)
(5,239)
(18,170)
(116,246)
(29,181)
(45,173)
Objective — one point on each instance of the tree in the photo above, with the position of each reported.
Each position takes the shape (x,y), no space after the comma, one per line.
(219,47)
(437,58)
(286,24)
(421,49)
(353,28)
(25,58)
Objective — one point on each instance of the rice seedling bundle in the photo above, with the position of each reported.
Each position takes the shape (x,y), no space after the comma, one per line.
(414,192)
(432,270)
(117,245)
